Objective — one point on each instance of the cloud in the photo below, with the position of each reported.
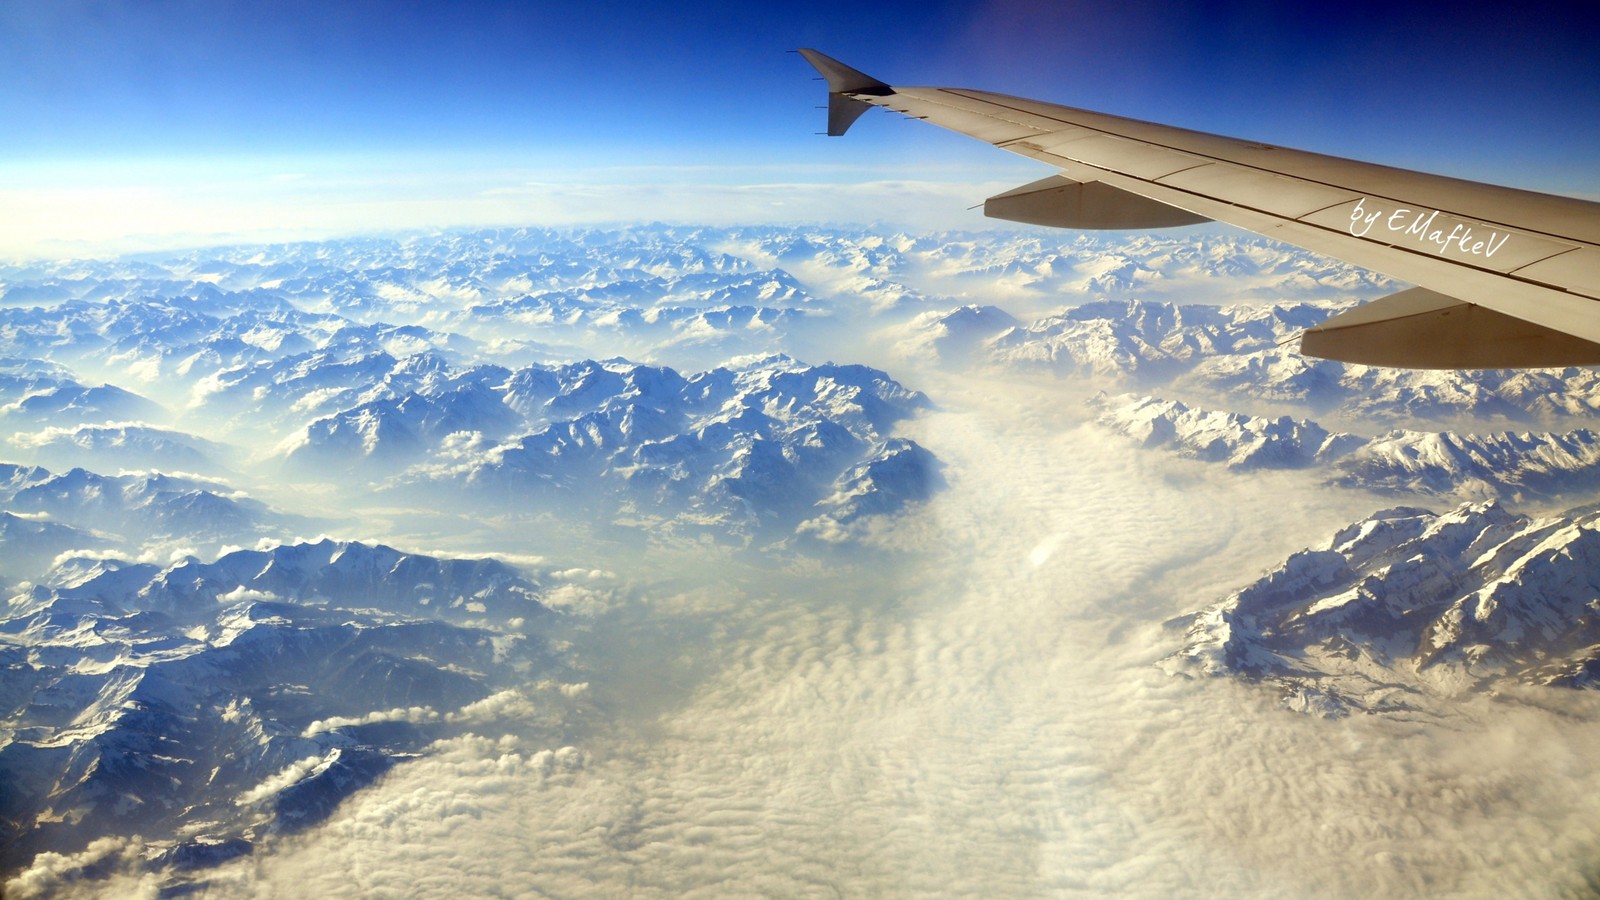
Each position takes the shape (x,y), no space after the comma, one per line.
(59,875)
(579,600)
(288,775)
(506,704)
(242,594)
(416,715)
(976,712)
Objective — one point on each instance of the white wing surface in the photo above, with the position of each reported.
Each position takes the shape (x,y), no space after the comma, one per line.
(1506,277)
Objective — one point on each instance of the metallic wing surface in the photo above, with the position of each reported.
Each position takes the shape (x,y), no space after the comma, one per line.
(1506,277)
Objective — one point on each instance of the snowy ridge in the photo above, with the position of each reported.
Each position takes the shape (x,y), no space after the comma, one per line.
(1075,267)
(190,337)
(1239,441)
(122,445)
(955,335)
(1219,353)
(1144,338)
(1409,605)
(1499,464)
(34,392)
(749,450)
(1502,464)
(140,503)
(29,546)
(1400,395)
(895,474)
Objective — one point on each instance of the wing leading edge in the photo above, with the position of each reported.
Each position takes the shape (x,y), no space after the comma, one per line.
(1507,278)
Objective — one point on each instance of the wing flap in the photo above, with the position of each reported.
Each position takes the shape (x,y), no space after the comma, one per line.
(1061,202)
(1421,329)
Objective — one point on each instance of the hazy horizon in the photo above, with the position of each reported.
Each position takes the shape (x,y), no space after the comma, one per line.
(153,125)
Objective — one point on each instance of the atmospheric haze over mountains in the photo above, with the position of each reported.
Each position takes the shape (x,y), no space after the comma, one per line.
(779,561)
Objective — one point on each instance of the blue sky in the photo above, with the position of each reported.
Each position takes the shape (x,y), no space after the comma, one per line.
(211,115)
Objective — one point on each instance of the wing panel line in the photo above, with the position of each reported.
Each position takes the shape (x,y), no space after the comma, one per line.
(1433,258)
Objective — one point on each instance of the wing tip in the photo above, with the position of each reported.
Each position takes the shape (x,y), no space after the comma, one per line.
(845,88)
(843,79)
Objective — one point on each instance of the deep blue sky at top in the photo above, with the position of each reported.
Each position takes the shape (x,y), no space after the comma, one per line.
(1504,92)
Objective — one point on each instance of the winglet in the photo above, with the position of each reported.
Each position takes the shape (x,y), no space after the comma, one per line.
(842,79)
(843,109)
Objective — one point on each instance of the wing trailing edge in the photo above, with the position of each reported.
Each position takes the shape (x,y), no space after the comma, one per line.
(1061,202)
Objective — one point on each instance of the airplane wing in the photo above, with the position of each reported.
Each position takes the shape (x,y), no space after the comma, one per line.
(1506,277)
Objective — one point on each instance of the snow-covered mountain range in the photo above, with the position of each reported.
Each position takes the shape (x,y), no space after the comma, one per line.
(132,509)
(1504,464)
(754,447)
(207,704)
(1233,354)
(36,393)
(1408,603)
(739,390)
(162,681)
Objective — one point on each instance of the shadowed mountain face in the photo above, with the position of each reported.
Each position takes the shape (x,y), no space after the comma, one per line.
(252,694)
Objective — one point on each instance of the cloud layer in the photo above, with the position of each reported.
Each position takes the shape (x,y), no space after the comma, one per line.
(980,715)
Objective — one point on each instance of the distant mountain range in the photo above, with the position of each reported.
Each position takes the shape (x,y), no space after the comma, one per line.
(1498,464)
(1231,354)
(160,681)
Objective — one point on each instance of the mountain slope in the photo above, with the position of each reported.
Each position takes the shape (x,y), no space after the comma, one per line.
(1407,606)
